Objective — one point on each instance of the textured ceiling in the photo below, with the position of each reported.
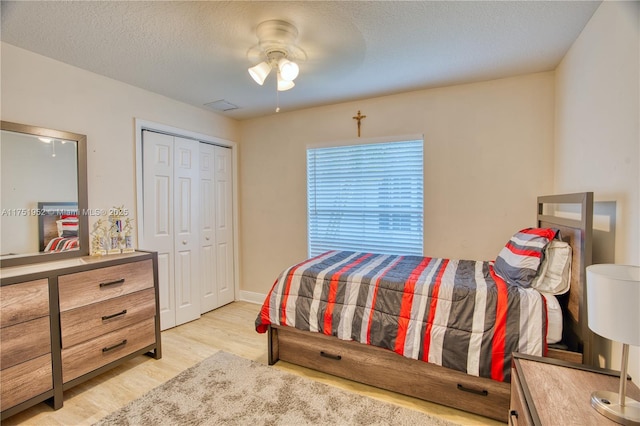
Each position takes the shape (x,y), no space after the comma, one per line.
(196,52)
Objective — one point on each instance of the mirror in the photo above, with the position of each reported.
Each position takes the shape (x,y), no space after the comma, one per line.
(43,198)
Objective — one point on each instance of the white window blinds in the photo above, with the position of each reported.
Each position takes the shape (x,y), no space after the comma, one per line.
(366,198)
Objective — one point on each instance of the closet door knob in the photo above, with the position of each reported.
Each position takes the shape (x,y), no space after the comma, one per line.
(184,242)
(207,238)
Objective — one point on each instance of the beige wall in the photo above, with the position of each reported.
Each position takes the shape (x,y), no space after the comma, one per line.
(40,91)
(488,154)
(597,141)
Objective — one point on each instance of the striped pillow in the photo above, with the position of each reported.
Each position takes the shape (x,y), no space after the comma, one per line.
(68,227)
(518,262)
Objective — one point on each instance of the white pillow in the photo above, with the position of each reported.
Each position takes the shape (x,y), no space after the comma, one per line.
(554,276)
(554,319)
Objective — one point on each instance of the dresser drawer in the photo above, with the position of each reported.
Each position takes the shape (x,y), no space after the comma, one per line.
(84,288)
(23,302)
(88,356)
(24,381)
(88,322)
(25,341)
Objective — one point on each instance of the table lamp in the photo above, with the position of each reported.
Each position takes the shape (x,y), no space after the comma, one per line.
(613,308)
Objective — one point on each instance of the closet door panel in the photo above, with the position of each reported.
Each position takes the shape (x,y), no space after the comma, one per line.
(166,290)
(158,158)
(224,225)
(186,239)
(208,285)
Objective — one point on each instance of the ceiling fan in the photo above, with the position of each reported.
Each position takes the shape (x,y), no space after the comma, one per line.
(277,51)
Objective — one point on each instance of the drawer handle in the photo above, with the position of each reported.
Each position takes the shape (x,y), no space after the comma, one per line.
(513,414)
(108,283)
(482,392)
(117,345)
(108,317)
(330,356)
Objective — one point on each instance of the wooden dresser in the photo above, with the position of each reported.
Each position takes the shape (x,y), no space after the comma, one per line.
(546,391)
(67,321)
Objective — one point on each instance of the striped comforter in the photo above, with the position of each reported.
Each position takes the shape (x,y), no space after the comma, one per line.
(454,313)
(62,244)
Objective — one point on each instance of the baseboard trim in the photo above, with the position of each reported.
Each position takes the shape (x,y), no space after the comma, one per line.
(251,297)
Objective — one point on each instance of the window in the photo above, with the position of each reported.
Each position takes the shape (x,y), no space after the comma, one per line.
(366,198)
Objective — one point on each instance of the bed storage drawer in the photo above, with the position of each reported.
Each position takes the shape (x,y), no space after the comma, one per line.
(93,354)
(94,320)
(388,370)
(84,288)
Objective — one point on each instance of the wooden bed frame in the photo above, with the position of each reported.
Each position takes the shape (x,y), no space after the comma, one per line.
(387,370)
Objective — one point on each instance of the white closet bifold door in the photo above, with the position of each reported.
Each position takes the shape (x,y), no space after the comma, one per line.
(209,289)
(170,222)
(216,227)
(186,241)
(224,225)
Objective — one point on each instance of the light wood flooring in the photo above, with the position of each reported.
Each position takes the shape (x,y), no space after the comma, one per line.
(231,329)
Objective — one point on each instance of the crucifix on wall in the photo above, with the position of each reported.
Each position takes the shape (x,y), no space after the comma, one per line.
(359,117)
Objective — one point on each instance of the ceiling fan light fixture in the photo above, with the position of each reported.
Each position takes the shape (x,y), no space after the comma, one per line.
(284,84)
(260,72)
(288,70)
(277,50)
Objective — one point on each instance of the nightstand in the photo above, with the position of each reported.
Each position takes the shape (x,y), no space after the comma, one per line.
(547,391)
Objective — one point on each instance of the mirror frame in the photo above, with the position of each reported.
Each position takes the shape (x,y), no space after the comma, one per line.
(83,208)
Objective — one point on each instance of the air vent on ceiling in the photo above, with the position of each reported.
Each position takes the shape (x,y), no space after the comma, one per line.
(221,105)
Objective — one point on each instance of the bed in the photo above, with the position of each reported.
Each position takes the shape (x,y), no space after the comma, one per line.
(376,318)
(58,226)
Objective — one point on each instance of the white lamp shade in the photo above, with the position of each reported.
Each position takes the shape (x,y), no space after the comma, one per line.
(613,302)
(288,70)
(284,84)
(260,72)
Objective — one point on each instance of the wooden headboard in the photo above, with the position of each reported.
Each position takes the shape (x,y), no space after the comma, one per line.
(572,214)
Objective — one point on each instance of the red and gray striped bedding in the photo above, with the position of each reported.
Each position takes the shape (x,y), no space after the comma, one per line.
(454,313)
(58,244)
